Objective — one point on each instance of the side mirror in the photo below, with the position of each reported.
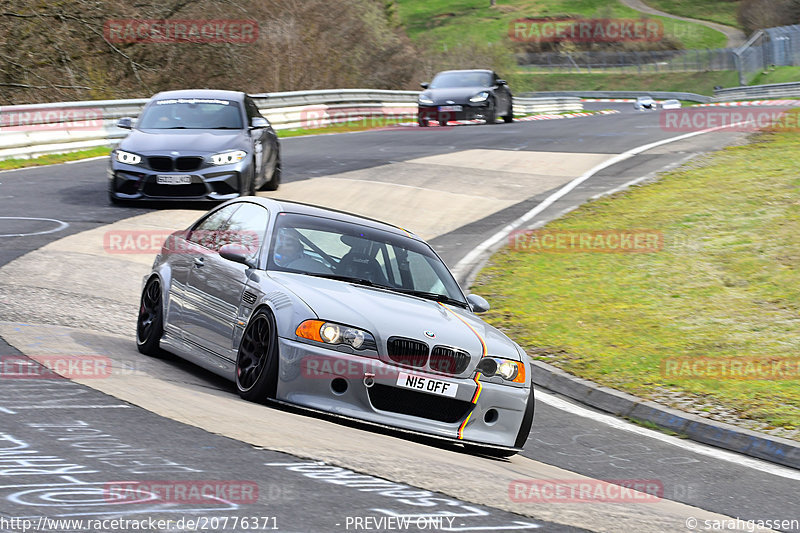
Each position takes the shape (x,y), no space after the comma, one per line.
(502,82)
(477,304)
(237,253)
(125,123)
(425,85)
(259,122)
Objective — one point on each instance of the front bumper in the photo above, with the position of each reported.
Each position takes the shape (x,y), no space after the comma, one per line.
(335,383)
(469,111)
(134,182)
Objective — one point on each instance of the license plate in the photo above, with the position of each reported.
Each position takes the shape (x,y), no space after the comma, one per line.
(173,179)
(425,384)
(450,108)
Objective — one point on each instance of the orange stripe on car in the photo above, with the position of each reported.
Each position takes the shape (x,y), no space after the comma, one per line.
(477,377)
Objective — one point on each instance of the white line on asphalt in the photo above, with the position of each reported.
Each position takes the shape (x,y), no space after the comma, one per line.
(463,267)
(700,449)
(59,226)
(73,407)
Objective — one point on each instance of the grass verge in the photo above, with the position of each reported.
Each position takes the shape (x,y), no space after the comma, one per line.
(719,11)
(51,159)
(450,22)
(726,285)
(693,82)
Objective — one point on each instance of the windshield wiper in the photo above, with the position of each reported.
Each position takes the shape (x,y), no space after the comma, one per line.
(337,277)
(436,297)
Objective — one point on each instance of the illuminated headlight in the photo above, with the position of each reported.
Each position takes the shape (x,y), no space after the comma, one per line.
(128,158)
(226,158)
(480,97)
(423,99)
(507,369)
(332,333)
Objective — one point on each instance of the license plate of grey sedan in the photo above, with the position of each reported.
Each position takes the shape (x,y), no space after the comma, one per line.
(450,108)
(426,384)
(173,179)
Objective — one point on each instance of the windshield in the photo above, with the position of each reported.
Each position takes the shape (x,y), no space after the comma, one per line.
(448,80)
(191,113)
(351,252)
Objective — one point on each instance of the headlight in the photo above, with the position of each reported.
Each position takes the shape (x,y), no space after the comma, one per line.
(507,369)
(480,97)
(128,158)
(332,333)
(226,158)
(425,99)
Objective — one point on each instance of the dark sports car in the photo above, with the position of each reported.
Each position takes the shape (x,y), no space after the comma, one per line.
(195,145)
(465,95)
(336,313)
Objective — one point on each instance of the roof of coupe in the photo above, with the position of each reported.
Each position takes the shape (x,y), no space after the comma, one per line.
(201,93)
(326,212)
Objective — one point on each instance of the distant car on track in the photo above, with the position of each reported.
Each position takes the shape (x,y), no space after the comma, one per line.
(465,95)
(645,102)
(671,104)
(336,313)
(195,145)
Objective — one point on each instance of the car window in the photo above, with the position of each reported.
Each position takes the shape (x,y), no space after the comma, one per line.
(191,113)
(247,226)
(322,246)
(446,80)
(207,232)
(252,108)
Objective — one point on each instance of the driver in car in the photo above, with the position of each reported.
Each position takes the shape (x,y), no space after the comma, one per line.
(289,254)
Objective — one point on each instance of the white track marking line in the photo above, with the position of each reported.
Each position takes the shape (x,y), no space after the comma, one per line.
(612,421)
(700,449)
(463,265)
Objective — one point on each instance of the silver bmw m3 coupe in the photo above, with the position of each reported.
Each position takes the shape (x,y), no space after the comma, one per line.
(337,313)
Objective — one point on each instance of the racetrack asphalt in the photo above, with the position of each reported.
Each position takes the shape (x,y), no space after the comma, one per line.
(578,443)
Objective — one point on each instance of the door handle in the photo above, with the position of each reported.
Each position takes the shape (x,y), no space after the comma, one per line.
(199,261)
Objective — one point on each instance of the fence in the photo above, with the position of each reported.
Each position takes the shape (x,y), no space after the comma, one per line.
(633,62)
(778,46)
(68,126)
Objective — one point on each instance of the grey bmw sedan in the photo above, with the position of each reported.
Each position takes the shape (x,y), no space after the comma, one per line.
(337,313)
(195,145)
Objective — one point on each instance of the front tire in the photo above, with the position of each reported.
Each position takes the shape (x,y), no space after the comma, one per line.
(257,359)
(423,122)
(491,114)
(508,118)
(275,181)
(150,324)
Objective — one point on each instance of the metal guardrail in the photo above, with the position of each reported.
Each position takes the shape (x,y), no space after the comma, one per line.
(752,92)
(660,95)
(38,129)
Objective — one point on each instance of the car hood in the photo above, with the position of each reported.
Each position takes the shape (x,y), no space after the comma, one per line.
(189,141)
(459,95)
(386,314)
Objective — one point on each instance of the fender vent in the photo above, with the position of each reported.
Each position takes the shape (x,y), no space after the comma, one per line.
(249,298)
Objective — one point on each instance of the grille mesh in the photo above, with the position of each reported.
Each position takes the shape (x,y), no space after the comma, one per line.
(407,351)
(413,403)
(449,360)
